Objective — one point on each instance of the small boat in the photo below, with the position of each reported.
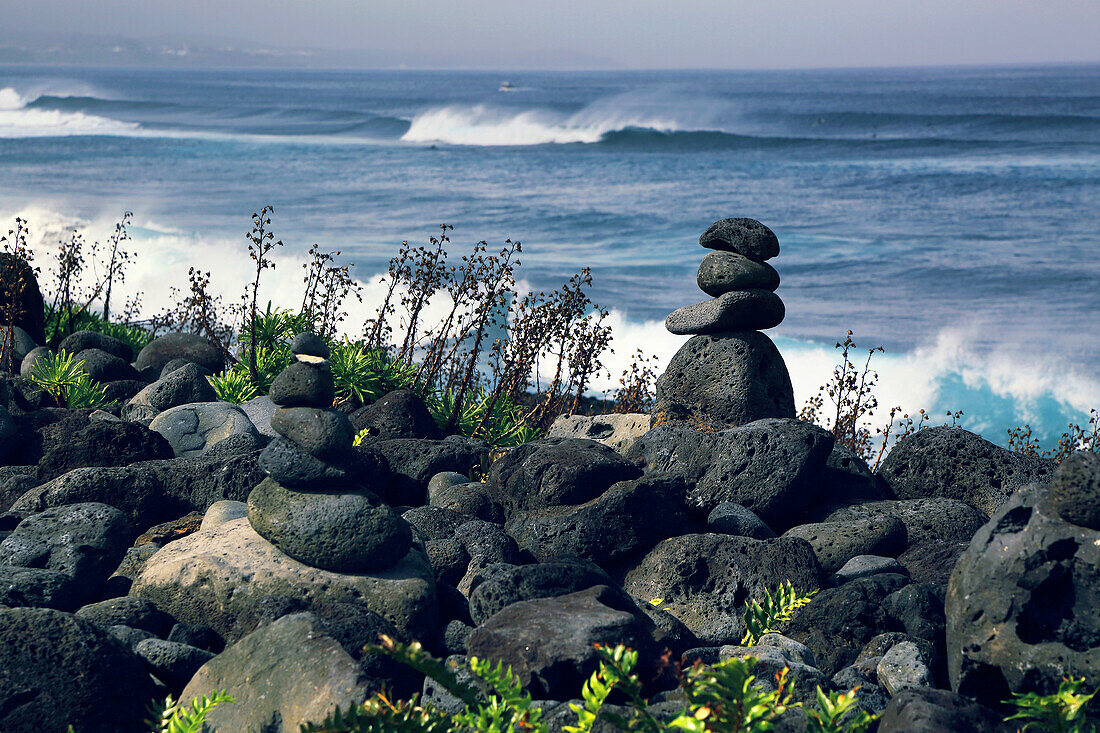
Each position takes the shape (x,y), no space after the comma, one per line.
(507,86)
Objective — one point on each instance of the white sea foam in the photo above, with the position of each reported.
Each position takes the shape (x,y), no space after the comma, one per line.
(19,121)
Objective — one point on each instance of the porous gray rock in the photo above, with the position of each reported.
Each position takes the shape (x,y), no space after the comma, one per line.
(1023,603)
(549,643)
(150,492)
(902,667)
(803,678)
(1075,489)
(189,346)
(291,466)
(556,472)
(221,573)
(936,519)
(27,365)
(628,517)
(304,384)
(259,411)
(738,310)
(9,435)
(397,414)
(616,431)
(743,236)
(183,386)
(724,272)
(926,710)
(191,429)
(725,380)
(136,613)
(321,433)
(309,344)
(835,543)
(864,566)
(957,464)
(76,442)
(413,461)
(101,366)
(841,621)
(281,676)
(705,580)
(499,585)
(172,663)
(39,588)
(57,670)
(343,532)
(83,541)
(22,346)
(730,518)
(78,341)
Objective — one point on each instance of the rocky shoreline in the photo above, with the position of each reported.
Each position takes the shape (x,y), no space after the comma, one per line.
(182,545)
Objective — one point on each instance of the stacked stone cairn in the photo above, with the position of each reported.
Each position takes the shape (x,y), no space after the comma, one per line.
(312,505)
(729,373)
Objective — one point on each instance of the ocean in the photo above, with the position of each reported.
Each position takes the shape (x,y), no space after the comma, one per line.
(951,216)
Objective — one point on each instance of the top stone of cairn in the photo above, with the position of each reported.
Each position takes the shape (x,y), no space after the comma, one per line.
(747,237)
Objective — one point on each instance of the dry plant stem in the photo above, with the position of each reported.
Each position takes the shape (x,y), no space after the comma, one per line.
(14,285)
(260,243)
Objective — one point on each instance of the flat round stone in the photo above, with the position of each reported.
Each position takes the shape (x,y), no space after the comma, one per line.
(309,344)
(321,433)
(744,236)
(304,384)
(724,272)
(741,310)
(346,532)
(291,466)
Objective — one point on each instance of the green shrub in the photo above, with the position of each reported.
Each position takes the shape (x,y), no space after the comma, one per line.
(763,616)
(1064,711)
(171,717)
(136,336)
(234,385)
(66,382)
(356,371)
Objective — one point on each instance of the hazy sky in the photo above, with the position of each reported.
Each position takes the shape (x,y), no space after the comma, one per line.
(642,33)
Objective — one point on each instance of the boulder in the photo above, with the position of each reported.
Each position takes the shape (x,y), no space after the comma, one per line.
(172,663)
(324,434)
(22,346)
(549,642)
(705,580)
(150,492)
(57,670)
(122,390)
(1075,489)
(730,518)
(499,585)
(739,310)
(282,676)
(413,462)
(220,573)
(78,443)
(191,429)
(82,541)
(1023,603)
(954,463)
(835,543)
(38,587)
(938,519)
(285,462)
(803,678)
(926,710)
(864,566)
(931,561)
(184,386)
(309,344)
(556,472)
(259,411)
(616,431)
(103,367)
(398,414)
(343,532)
(189,346)
(26,367)
(747,237)
(136,613)
(839,622)
(725,380)
(304,384)
(724,272)
(628,517)
(904,666)
(78,341)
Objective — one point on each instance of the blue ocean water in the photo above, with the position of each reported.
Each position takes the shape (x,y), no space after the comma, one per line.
(949,215)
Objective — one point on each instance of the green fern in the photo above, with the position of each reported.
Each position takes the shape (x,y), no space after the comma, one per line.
(763,617)
(1064,711)
(380,715)
(837,713)
(172,717)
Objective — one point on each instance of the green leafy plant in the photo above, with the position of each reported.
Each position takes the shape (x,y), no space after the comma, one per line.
(234,385)
(66,382)
(1065,711)
(356,372)
(836,712)
(764,616)
(173,717)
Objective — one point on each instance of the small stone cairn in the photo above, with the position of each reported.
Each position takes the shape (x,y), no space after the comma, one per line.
(311,505)
(729,373)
